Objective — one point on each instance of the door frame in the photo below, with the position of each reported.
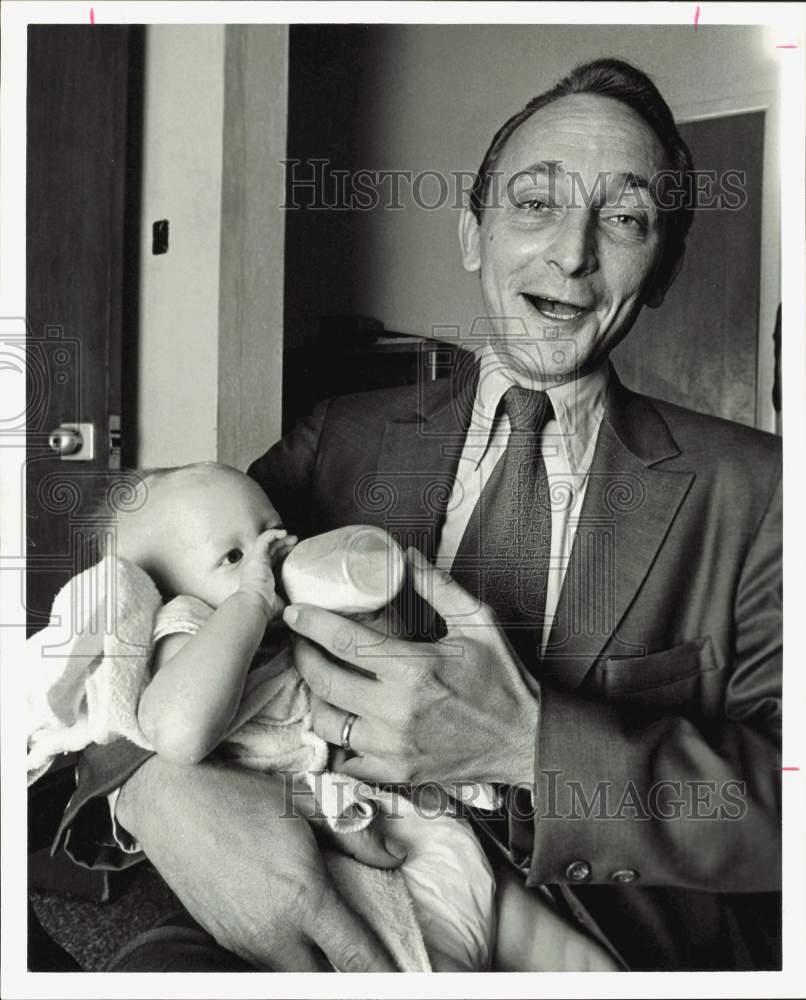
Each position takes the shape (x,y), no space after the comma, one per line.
(768,102)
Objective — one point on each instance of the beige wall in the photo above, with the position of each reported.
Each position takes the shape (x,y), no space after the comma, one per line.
(210,320)
(179,291)
(250,339)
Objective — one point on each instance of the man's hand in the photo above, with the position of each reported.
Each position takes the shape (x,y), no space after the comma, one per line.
(455,710)
(233,846)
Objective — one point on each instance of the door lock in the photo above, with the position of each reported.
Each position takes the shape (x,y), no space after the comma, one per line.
(73,442)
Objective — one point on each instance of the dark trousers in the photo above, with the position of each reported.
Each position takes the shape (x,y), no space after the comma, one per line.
(176,944)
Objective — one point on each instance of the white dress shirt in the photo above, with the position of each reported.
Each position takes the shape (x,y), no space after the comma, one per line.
(567,442)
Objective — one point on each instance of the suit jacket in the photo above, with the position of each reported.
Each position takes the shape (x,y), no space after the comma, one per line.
(657,759)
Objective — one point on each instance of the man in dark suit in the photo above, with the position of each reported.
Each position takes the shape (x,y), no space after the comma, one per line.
(611,658)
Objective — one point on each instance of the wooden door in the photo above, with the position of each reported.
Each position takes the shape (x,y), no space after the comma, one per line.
(79,114)
(699,349)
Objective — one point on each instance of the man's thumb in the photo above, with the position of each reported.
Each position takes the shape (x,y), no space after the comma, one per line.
(439,588)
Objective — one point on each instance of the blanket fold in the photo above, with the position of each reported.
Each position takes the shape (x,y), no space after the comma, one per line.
(86,670)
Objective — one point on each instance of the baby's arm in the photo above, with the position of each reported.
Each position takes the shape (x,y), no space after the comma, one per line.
(198,680)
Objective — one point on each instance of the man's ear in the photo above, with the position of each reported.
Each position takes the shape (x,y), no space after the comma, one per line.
(469,240)
(655,298)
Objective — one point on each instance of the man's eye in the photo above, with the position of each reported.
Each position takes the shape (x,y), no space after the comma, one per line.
(625,221)
(233,556)
(536,205)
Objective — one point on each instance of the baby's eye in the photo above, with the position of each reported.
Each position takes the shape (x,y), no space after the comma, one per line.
(233,556)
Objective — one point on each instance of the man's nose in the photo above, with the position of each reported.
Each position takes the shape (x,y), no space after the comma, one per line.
(573,248)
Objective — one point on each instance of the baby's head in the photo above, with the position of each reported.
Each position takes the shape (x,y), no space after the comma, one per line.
(192,528)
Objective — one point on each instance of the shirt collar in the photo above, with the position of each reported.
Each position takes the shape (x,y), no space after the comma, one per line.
(578,408)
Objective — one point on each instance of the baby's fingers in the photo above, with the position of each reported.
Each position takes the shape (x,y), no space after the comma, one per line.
(280,547)
(262,550)
(369,846)
(270,535)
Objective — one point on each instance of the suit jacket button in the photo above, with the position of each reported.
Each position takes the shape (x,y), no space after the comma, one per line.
(578,871)
(624,875)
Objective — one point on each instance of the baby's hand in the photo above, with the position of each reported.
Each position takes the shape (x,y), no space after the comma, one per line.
(259,563)
(372,845)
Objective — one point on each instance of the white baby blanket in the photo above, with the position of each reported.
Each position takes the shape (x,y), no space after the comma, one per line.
(86,670)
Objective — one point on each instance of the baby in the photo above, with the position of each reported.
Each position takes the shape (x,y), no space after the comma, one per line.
(213,544)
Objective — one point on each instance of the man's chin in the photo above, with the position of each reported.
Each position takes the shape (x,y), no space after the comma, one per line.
(544,363)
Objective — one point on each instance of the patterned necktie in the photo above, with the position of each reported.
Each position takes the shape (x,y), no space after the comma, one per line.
(503,557)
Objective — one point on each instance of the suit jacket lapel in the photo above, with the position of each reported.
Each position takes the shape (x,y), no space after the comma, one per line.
(419,455)
(628,509)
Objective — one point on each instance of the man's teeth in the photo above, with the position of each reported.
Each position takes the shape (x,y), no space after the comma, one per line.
(553,309)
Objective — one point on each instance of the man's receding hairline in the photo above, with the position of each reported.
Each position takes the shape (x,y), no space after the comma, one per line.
(664,156)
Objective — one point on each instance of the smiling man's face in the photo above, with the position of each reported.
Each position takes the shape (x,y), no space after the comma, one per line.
(566,251)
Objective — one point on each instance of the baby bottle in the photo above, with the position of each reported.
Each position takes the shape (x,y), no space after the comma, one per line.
(354,569)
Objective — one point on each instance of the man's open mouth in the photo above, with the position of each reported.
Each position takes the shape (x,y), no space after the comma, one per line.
(554,308)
